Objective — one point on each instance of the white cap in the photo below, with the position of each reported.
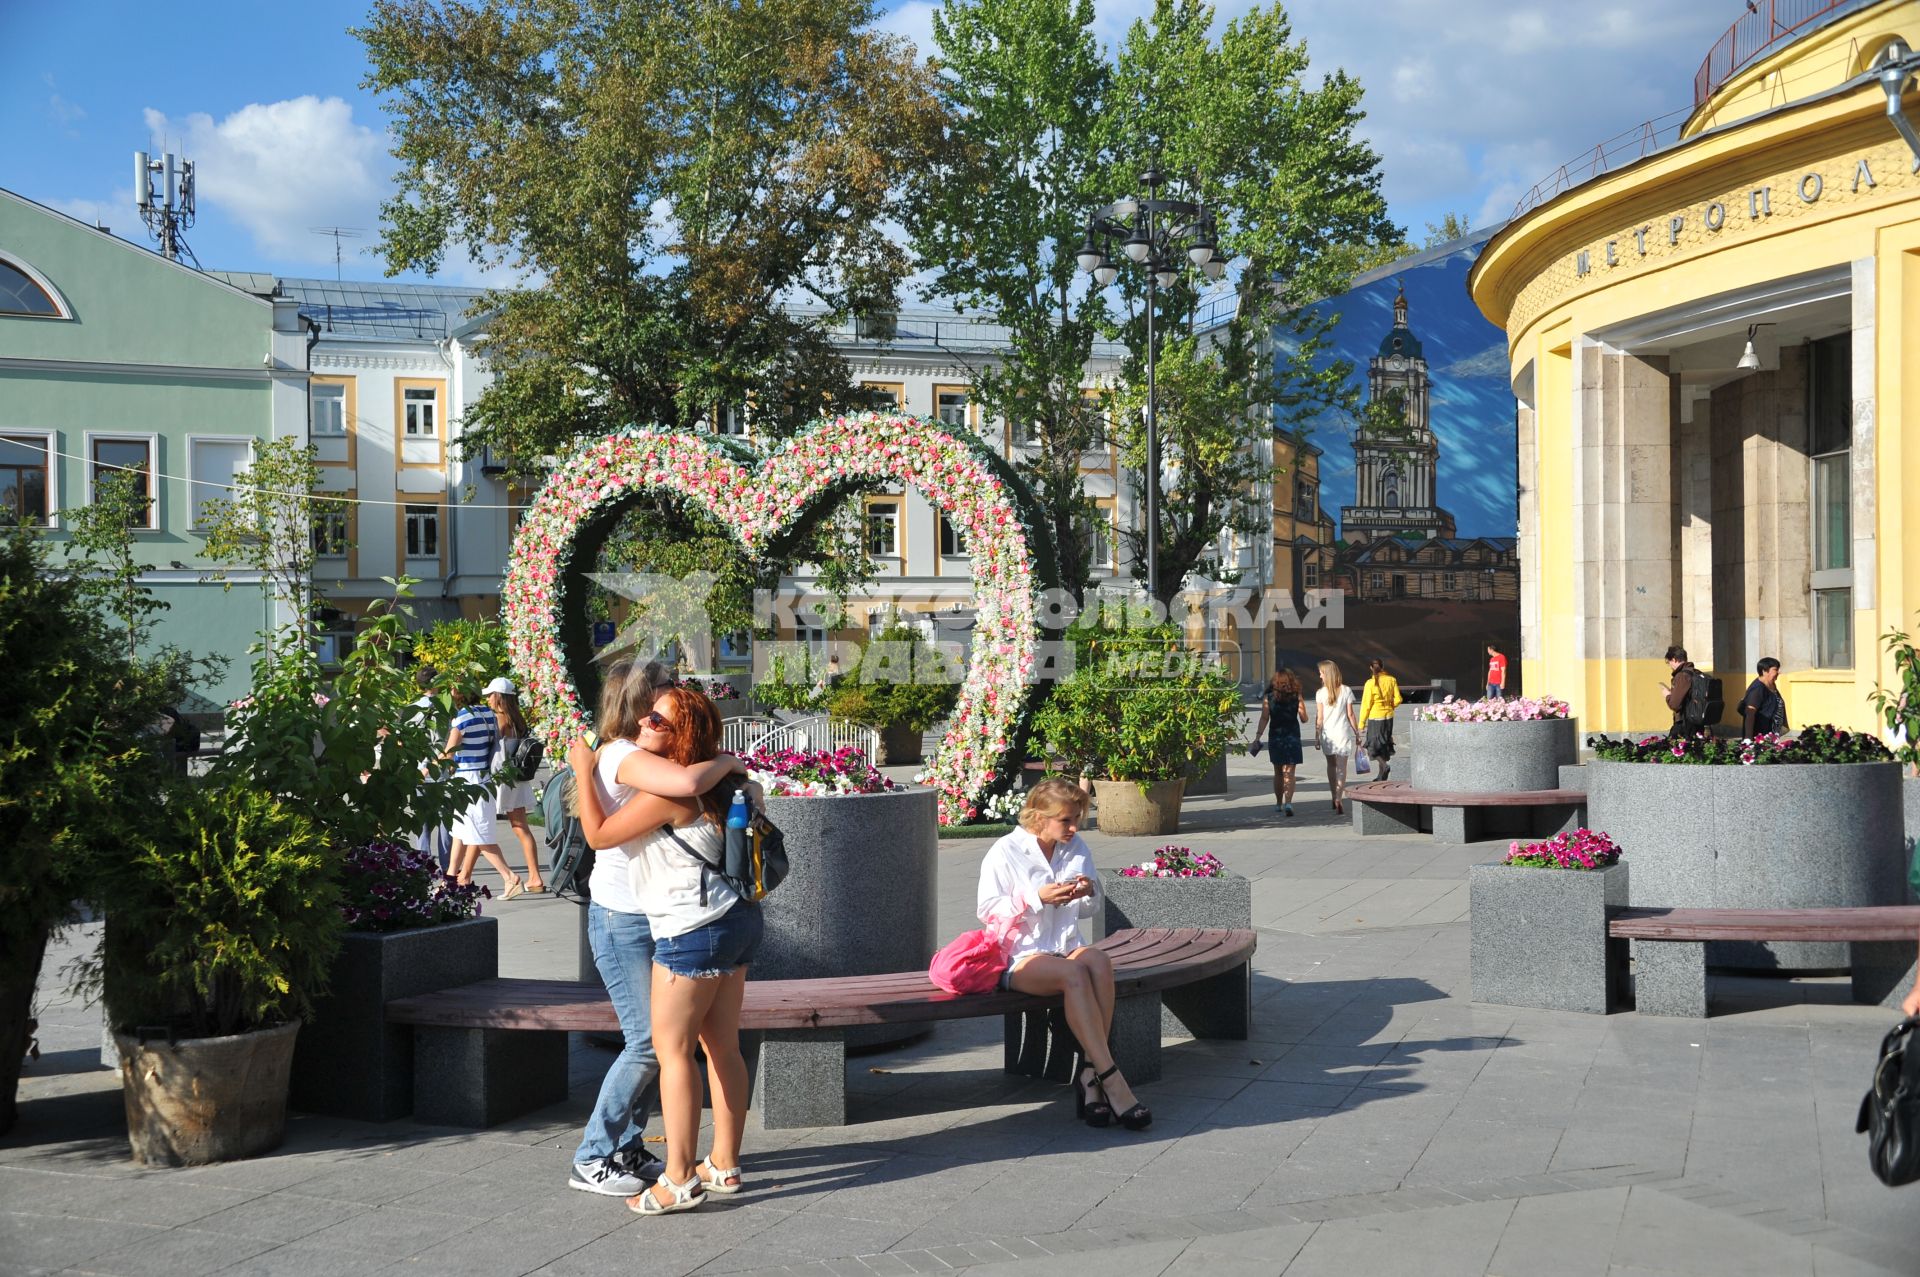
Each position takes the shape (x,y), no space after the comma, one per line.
(504,686)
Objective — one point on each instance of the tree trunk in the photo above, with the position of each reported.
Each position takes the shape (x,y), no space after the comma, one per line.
(16,1023)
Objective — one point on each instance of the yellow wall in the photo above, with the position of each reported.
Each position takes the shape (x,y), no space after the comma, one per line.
(1528,281)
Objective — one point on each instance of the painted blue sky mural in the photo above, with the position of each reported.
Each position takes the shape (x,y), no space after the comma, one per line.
(1472,407)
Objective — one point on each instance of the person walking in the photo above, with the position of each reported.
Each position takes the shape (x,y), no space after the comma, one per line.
(515,796)
(432,840)
(1378,700)
(1686,719)
(1496,672)
(1042,874)
(470,745)
(612,1159)
(1763,709)
(1336,729)
(1282,711)
(704,936)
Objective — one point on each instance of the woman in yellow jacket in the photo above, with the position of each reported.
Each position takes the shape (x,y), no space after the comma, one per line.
(1377,703)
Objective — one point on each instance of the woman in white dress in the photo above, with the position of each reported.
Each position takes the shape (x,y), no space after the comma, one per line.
(1338,727)
(503,698)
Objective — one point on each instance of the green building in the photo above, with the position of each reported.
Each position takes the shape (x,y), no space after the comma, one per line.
(113,356)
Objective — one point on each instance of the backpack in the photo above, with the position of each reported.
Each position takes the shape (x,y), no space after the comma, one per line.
(524,757)
(1704,703)
(567,849)
(753,861)
(1890,1113)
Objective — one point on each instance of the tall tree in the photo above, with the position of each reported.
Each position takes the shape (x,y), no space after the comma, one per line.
(676,174)
(1235,122)
(999,219)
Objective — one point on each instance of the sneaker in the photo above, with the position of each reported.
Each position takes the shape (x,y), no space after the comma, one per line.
(1288,809)
(605,1177)
(641,1163)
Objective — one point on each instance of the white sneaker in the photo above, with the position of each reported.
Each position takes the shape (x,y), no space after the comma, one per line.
(605,1177)
(640,1163)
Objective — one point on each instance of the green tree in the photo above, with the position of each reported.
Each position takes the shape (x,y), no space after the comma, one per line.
(998,219)
(1235,122)
(275,523)
(676,174)
(108,570)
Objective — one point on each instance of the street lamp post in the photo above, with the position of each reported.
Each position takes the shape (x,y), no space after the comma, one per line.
(1154,233)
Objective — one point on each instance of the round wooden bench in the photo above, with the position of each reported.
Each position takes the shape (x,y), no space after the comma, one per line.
(1396,807)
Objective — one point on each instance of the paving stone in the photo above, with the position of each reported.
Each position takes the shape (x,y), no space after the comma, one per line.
(1567,1234)
(280,1217)
(183,1251)
(49,1242)
(1458,1239)
(297,1259)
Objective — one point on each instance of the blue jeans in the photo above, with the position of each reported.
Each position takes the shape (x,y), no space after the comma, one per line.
(623,952)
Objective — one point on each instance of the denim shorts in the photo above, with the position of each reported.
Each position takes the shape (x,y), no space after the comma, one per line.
(1006,977)
(715,949)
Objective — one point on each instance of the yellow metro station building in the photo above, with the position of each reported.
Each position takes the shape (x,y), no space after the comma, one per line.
(1716,353)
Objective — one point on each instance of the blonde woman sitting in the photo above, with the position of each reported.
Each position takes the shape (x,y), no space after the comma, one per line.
(1043,874)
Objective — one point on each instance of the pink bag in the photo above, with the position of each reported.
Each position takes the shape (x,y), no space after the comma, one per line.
(973,961)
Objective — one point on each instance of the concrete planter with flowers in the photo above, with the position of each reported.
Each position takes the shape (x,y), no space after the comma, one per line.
(1539,925)
(1183,889)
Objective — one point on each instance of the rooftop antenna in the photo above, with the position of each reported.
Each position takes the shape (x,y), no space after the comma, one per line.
(338,233)
(163,192)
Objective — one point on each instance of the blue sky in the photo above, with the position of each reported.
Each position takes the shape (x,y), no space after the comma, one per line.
(1469,103)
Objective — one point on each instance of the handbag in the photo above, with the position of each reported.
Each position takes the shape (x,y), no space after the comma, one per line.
(1890,1112)
(973,961)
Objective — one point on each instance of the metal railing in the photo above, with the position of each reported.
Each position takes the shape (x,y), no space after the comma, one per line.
(1766,25)
(1636,143)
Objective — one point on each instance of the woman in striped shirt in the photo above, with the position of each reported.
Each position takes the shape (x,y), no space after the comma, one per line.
(470,745)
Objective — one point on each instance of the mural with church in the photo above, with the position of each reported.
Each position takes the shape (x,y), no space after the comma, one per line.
(1410,508)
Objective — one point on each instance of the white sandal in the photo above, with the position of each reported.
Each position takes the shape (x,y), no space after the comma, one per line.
(687,1196)
(714,1180)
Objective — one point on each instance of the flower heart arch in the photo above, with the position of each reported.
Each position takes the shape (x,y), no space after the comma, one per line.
(767,499)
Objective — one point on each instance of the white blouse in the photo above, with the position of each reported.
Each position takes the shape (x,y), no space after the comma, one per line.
(1010,880)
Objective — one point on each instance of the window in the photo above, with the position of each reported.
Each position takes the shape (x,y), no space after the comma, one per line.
(731,420)
(330,534)
(1310,575)
(21,294)
(23,480)
(1448,581)
(423,532)
(950,406)
(1830,416)
(1099,539)
(883,528)
(330,410)
(1096,423)
(953,542)
(1303,500)
(1375,581)
(885,398)
(421,408)
(213,465)
(114,456)
(1024,435)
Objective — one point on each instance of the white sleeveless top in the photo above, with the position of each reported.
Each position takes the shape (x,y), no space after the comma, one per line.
(670,885)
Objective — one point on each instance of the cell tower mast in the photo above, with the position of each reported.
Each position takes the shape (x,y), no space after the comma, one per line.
(163,191)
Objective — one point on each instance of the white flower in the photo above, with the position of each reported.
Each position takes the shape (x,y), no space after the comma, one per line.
(1149,865)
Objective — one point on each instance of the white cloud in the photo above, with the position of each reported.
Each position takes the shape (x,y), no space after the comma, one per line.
(108,212)
(281,168)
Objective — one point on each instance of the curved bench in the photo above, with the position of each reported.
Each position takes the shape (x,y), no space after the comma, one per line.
(1396,807)
(490,1051)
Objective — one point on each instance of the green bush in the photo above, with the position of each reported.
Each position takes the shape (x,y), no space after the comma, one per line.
(223,917)
(468,653)
(1138,706)
(902,684)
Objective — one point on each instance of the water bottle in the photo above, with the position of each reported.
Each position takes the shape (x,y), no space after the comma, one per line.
(737,816)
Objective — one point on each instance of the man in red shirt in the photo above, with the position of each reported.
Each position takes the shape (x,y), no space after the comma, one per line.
(1496,672)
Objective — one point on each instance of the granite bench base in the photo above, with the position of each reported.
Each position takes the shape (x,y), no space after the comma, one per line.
(1466,824)
(1670,976)
(482,1077)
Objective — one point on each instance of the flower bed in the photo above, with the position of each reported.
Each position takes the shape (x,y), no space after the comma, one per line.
(765,498)
(816,773)
(714,689)
(1570,849)
(1173,861)
(388,887)
(1518,709)
(1821,743)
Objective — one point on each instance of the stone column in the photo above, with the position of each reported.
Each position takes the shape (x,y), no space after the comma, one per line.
(1625,499)
(1695,515)
(1528,550)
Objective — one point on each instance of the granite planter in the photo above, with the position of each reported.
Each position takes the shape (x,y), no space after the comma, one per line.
(860,897)
(1780,836)
(1491,758)
(1221,1007)
(1539,937)
(1127,809)
(899,745)
(349,1062)
(731,706)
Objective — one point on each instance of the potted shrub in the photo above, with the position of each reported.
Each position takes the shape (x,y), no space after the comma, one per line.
(1139,711)
(1498,745)
(901,687)
(860,896)
(1176,886)
(1539,924)
(1789,821)
(222,918)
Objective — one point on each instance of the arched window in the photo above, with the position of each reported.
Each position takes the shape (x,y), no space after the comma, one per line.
(22,294)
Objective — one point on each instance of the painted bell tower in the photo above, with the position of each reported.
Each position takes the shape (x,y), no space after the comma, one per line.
(1395,456)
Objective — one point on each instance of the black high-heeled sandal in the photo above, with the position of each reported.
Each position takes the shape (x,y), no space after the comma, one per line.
(1089,1110)
(1137,1118)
